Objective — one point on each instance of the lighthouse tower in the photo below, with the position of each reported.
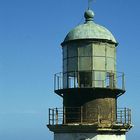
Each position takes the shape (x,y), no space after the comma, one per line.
(90,86)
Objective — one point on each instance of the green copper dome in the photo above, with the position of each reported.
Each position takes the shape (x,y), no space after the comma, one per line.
(90,30)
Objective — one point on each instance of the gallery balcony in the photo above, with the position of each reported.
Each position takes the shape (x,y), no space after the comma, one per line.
(76,118)
(91,80)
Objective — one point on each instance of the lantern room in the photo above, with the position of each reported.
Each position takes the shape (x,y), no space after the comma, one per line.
(89,58)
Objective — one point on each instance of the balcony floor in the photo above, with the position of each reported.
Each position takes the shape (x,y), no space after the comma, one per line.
(90,128)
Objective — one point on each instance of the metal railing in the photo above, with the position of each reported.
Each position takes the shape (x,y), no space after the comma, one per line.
(56,116)
(89,79)
(123,116)
(76,116)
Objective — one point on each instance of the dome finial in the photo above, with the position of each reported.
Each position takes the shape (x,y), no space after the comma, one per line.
(89,14)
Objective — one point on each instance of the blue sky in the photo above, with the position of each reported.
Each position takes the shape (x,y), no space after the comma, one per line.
(30,35)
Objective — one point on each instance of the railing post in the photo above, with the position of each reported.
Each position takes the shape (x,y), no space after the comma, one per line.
(49,116)
(74,79)
(55,82)
(56,116)
(58,82)
(69,80)
(120,116)
(111,80)
(93,80)
(61,81)
(123,82)
(53,116)
(129,116)
(81,114)
(125,111)
(64,115)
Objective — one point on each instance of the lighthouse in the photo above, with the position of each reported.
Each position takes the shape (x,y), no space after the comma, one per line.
(90,86)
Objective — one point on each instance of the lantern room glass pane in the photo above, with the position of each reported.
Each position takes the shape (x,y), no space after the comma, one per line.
(99,50)
(72,64)
(99,63)
(85,50)
(72,51)
(110,64)
(85,63)
(65,52)
(64,65)
(110,51)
